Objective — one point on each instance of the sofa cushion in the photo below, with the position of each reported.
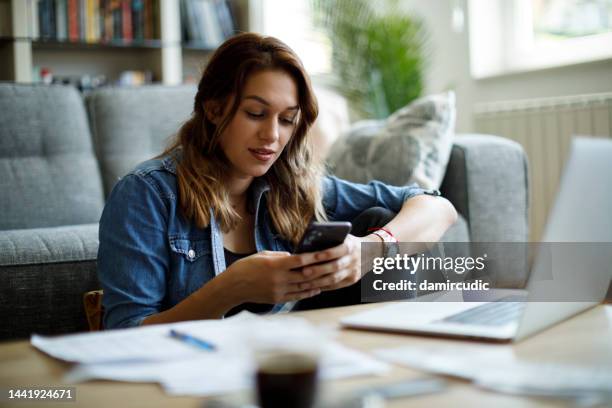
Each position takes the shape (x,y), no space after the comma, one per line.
(44,273)
(49,245)
(50,175)
(412,145)
(131,125)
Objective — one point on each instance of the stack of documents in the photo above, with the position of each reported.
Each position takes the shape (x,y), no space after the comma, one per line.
(151,354)
(498,368)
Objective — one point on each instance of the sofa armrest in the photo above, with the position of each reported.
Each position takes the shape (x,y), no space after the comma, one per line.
(487,182)
(44,273)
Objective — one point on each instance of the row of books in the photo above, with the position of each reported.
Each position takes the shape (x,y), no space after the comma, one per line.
(85,82)
(94,21)
(207,23)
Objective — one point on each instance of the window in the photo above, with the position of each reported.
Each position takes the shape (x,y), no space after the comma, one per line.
(555,20)
(292,23)
(521,35)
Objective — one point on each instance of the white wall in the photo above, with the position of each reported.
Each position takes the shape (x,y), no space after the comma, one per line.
(449,68)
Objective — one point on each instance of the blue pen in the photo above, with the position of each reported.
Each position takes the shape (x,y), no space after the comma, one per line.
(194,341)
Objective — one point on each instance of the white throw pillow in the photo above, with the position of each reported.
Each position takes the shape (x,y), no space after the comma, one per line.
(412,145)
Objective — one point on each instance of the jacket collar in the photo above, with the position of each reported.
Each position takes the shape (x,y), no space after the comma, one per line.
(170,160)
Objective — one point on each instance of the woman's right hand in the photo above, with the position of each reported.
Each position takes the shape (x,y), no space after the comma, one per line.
(270,277)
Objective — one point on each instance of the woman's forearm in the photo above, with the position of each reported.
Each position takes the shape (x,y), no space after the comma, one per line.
(423,219)
(211,301)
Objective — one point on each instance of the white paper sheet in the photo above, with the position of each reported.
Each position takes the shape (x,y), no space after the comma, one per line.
(493,366)
(337,362)
(149,343)
(149,354)
(463,361)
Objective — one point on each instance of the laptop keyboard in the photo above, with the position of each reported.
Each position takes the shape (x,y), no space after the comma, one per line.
(496,313)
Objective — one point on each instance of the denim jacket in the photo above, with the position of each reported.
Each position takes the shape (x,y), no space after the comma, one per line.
(151,257)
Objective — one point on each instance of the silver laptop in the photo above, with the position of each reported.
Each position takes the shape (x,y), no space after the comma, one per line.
(582,213)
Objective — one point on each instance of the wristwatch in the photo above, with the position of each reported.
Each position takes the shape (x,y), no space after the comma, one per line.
(390,244)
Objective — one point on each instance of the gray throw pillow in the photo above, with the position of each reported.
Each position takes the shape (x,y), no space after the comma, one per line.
(412,145)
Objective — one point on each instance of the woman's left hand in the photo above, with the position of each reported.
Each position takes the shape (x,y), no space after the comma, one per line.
(343,270)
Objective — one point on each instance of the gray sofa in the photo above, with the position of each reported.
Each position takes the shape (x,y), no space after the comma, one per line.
(60,156)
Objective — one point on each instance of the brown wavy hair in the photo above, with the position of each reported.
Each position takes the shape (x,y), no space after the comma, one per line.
(294,197)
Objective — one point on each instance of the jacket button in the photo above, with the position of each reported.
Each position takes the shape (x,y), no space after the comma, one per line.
(191,254)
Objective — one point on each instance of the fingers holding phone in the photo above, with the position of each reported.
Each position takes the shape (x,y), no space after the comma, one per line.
(327,257)
(266,277)
(343,267)
(336,253)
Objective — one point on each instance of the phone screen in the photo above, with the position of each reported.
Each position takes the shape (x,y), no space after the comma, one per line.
(323,235)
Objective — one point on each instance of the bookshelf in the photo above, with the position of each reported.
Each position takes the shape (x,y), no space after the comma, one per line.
(163,52)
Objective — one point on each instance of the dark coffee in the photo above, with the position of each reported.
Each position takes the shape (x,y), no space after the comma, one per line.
(287,380)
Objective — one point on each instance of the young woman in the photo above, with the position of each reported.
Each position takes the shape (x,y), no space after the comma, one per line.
(206,229)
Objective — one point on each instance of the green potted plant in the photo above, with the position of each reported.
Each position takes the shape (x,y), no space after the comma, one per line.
(378,53)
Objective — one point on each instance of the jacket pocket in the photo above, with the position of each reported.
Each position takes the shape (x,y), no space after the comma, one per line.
(191,250)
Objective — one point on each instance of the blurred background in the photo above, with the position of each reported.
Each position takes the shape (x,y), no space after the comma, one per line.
(535,71)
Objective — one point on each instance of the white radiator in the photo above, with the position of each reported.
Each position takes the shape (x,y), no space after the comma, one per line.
(544,128)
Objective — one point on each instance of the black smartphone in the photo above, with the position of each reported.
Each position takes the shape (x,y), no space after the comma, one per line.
(323,235)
